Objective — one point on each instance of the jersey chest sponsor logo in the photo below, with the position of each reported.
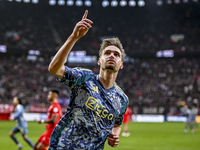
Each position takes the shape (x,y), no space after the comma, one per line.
(94,105)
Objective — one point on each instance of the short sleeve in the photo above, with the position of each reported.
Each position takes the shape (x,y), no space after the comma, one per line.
(72,75)
(55,110)
(119,119)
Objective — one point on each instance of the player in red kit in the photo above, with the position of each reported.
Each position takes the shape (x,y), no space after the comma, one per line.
(54,114)
(127,117)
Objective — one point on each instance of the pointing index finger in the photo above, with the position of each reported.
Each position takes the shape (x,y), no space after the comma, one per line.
(85,14)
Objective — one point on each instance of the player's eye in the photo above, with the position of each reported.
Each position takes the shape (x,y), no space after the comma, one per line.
(116,54)
(107,53)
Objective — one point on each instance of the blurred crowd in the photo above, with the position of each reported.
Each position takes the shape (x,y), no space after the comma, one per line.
(140,30)
(161,82)
(147,82)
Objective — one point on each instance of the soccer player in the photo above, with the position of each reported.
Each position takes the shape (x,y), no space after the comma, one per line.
(127,117)
(21,123)
(185,111)
(54,114)
(97,104)
(191,121)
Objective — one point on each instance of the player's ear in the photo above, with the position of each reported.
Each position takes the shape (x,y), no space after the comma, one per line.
(121,67)
(99,63)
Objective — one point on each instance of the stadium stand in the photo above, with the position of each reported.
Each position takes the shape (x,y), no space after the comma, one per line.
(149,82)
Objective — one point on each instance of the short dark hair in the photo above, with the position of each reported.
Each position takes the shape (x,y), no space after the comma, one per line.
(19,99)
(55,91)
(112,42)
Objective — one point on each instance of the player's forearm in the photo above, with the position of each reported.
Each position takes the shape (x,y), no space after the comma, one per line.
(117,130)
(15,116)
(47,121)
(51,120)
(56,67)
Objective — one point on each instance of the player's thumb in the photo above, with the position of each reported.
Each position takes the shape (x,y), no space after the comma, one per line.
(111,134)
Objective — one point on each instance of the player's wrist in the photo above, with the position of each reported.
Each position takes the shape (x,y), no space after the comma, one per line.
(73,37)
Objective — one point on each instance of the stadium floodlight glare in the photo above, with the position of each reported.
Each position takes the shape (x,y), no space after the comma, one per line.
(159,2)
(176,1)
(185,1)
(52,2)
(195,1)
(88,3)
(9,0)
(169,1)
(141,3)
(18,0)
(61,2)
(105,3)
(35,1)
(123,3)
(132,3)
(26,1)
(79,3)
(114,3)
(70,3)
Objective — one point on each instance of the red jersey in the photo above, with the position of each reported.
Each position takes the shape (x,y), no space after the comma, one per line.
(128,113)
(54,109)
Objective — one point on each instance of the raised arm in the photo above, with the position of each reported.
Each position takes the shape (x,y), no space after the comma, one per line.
(56,66)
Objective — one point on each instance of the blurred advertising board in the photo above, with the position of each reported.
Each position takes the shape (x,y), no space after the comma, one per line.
(148,118)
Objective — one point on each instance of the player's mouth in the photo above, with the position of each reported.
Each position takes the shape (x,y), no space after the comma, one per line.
(110,61)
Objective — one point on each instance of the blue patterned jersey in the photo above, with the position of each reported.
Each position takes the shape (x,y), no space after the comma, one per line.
(91,114)
(19,116)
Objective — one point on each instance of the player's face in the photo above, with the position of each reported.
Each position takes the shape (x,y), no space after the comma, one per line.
(50,96)
(15,101)
(111,59)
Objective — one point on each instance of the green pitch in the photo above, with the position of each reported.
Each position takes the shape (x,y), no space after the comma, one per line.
(144,136)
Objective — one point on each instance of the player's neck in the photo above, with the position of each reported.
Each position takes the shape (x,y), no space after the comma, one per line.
(53,101)
(107,79)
